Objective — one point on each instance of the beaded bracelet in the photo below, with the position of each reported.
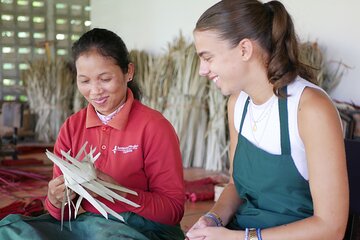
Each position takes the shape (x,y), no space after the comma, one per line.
(253,234)
(215,218)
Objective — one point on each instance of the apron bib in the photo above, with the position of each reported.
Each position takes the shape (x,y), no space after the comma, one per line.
(273,191)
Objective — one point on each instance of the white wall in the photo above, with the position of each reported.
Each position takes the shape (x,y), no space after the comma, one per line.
(152,24)
(148,24)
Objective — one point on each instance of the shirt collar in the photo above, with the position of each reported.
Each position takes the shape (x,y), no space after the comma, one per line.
(106,118)
(120,119)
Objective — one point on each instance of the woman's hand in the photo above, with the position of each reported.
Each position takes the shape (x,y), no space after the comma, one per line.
(107,178)
(202,223)
(214,233)
(56,191)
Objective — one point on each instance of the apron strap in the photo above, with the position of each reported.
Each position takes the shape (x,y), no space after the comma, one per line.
(284,124)
(244,114)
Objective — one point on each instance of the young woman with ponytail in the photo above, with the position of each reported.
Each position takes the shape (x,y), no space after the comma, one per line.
(288,166)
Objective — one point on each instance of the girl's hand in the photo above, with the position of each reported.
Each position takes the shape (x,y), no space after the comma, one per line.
(214,233)
(56,191)
(203,222)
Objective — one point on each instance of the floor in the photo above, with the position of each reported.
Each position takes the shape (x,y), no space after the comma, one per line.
(193,210)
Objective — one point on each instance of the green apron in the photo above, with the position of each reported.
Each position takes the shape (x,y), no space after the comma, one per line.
(273,191)
(87,226)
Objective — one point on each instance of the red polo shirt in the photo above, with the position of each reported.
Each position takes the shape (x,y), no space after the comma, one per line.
(139,149)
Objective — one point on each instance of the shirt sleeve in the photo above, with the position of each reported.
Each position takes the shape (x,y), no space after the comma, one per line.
(164,202)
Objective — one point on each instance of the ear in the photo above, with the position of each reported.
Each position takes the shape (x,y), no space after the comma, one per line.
(131,72)
(246,48)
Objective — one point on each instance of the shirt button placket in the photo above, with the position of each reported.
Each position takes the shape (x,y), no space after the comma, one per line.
(104,139)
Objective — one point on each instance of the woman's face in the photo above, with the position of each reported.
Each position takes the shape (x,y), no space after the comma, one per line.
(219,62)
(101,81)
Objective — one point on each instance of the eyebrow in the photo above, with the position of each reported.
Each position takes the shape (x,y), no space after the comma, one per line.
(101,74)
(200,54)
(81,75)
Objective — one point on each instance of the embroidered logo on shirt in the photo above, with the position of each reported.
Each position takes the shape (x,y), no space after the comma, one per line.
(127,149)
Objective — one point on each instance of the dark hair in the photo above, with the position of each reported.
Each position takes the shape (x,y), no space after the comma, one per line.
(270,25)
(108,44)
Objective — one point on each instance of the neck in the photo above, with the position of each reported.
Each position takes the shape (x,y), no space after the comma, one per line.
(257,85)
(260,90)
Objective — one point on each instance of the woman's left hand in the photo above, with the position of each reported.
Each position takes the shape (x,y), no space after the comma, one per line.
(214,233)
(107,178)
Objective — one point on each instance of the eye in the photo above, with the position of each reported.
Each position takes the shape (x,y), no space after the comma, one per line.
(83,81)
(106,79)
(207,59)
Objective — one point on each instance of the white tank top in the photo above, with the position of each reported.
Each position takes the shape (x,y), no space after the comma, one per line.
(266,134)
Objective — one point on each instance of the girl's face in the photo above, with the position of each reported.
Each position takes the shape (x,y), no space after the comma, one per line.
(220,62)
(101,81)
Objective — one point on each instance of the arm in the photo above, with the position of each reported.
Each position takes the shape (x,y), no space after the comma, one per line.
(320,129)
(164,201)
(229,200)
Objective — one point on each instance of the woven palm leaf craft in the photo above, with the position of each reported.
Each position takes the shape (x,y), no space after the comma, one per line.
(81,175)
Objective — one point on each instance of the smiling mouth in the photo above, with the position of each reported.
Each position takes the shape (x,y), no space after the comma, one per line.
(215,79)
(100,100)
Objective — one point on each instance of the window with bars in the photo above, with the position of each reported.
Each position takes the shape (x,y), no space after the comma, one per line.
(32,29)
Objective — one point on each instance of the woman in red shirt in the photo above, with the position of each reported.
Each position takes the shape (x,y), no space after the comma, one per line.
(138,147)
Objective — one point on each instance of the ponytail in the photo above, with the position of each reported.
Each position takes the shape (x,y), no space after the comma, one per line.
(283,63)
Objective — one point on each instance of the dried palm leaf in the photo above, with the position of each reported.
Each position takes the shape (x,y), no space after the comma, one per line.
(80,175)
(327,76)
(50,90)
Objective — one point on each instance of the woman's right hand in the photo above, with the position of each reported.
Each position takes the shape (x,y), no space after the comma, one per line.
(202,223)
(56,191)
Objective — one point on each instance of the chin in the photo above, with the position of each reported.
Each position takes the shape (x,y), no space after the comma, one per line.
(225,92)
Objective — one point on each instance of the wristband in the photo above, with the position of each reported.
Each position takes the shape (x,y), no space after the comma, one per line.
(246,234)
(215,218)
(253,234)
(258,232)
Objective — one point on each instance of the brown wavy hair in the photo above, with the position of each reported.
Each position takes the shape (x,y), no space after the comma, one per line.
(267,23)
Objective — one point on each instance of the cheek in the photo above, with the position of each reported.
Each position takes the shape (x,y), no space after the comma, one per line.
(116,86)
(83,89)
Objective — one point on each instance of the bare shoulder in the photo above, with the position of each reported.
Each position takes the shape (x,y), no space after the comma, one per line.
(314,102)
(313,98)
(318,116)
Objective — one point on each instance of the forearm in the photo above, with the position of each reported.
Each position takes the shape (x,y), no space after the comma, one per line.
(227,204)
(158,207)
(310,228)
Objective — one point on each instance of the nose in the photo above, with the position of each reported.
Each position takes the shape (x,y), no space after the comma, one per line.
(96,88)
(203,69)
